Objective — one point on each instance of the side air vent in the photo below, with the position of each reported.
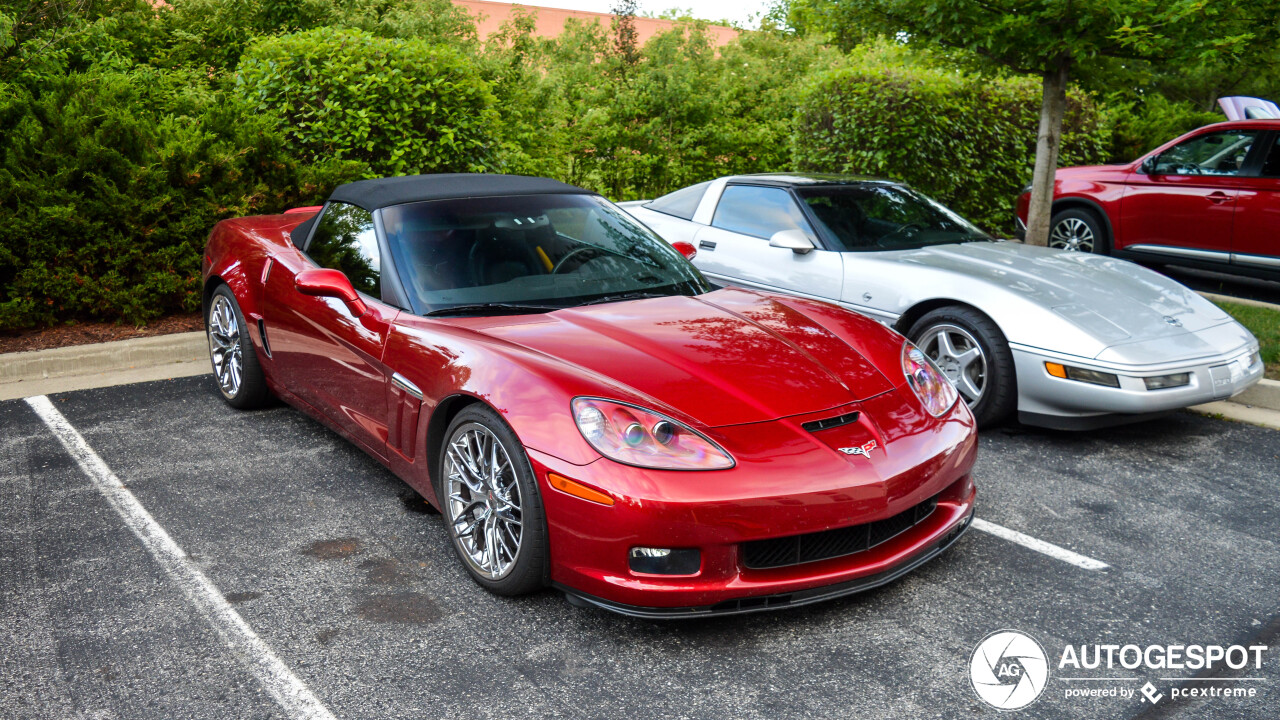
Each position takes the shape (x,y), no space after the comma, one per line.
(262,333)
(831,422)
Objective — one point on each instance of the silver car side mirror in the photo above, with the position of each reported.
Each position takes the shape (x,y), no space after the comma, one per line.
(794,240)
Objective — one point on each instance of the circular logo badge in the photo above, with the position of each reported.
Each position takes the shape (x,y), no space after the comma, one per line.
(1008,670)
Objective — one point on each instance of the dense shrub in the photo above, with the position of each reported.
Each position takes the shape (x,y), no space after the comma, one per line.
(1141,126)
(967,141)
(213,34)
(110,181)
(400,106)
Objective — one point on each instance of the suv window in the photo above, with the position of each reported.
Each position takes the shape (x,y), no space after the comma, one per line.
(345,240)
(758,211)
(1271,167)
(1218,153)
(681,203)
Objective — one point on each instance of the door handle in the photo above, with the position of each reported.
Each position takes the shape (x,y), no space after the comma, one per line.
(1218,197)
(706,245)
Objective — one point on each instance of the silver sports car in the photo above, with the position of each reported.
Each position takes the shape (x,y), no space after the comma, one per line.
(1065,340)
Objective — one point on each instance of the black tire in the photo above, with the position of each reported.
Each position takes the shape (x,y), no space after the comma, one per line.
(1071,222)
(530,567)
(999,390)
(251,390)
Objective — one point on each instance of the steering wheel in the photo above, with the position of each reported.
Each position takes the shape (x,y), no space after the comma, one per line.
(908,229)
(572,253)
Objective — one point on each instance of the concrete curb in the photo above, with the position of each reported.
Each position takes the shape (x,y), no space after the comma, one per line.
(1238,301)
(1266,395)
(99,365)
(1262,417)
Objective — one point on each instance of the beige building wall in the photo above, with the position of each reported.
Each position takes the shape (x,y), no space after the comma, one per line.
(550,21)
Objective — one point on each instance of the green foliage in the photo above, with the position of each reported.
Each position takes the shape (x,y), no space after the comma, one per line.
(1264,323)
(686,112)
(401,107)
(1140,126)
(966,140)
(131,129)
(109,183)
(213,34)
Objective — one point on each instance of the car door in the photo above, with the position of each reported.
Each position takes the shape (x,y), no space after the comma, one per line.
(735,247)
(1181,202)
(1255,232)
(321,351)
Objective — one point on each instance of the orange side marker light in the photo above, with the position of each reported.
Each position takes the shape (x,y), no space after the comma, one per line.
(578,490)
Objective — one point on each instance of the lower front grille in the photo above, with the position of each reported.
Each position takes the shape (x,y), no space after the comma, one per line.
(799,549)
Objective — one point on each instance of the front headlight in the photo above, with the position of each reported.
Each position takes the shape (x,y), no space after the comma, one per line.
(935,391)
(635,436)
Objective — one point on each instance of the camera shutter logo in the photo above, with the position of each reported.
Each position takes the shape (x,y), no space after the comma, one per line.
(1008,670)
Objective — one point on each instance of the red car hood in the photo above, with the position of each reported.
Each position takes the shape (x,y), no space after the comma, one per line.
(725,358)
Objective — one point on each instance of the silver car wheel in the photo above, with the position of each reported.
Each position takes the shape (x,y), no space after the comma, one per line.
(957,353)
(484,504)
(225,346)
(1072,234)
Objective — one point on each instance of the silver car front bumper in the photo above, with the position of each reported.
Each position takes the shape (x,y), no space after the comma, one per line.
(1070,404)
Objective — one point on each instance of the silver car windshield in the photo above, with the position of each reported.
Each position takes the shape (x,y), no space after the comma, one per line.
(529,253)
(885,217)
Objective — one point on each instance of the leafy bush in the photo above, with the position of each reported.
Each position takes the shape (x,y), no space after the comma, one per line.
(682,113)
(213,34)
(968,141)
(1146,125)
(110,181)
(402,107)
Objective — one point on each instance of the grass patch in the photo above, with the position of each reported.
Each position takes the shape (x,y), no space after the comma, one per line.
(1264,323)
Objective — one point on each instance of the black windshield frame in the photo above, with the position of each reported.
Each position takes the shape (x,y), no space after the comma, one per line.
(687,280)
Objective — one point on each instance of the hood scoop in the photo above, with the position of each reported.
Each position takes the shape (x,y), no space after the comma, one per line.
(814,426)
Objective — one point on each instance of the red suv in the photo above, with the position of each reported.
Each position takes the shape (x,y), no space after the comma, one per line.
(1209,199)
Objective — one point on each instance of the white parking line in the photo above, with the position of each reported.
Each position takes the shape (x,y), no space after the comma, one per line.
(1040,546)
(291,693)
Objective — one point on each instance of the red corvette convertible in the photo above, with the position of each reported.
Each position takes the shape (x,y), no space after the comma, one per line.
(583,407)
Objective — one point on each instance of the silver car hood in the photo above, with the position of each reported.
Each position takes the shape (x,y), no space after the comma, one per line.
(1116,301)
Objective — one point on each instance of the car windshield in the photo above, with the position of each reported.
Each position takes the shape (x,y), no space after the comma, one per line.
(529,253)
(885,217)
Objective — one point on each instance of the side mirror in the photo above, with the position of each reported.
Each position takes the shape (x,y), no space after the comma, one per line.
(1149,165)
(794,240)
(324,282)
(686,249)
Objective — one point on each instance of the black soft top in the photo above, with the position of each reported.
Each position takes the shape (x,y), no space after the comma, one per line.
(384,192)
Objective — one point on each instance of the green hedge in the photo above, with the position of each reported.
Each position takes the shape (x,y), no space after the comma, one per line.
(967,141)
(402,107)
(110,181)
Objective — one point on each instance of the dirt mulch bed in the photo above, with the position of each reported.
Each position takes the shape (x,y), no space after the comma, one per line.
(86,333)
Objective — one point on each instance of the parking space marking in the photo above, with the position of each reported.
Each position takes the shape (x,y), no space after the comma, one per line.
(286,688)
(1040,546)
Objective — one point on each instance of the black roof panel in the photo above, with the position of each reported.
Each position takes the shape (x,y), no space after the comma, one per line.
(384,192)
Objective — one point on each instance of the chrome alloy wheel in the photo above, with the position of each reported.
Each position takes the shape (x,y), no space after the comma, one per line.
(957,353)
(1072,234)
(484,505)
(225,346)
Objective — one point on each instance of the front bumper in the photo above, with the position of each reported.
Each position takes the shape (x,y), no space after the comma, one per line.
(1055,402)
(795,484)
(778,601)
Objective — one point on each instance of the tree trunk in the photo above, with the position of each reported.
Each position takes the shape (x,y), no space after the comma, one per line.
(1053,105)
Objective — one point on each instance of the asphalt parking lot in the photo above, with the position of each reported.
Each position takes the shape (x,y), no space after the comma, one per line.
(338,569)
